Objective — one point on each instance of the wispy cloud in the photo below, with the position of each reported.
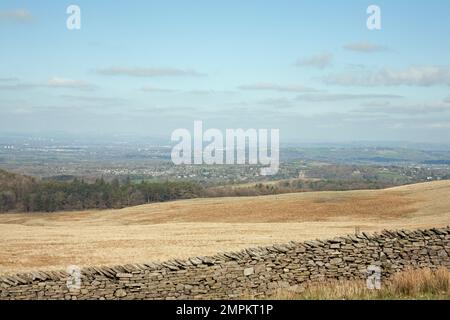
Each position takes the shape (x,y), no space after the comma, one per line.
(55,82)
(18,15)
(382,103)
(277,102)
(4,80)
(364,47)
(201,92)
(276,87)
(327,97)
(94,99)
(320,61)
(196,92)
(17,86)
(151,89)
(447,100)
(424,76)
(439,125)
(148,72)
(164,110)
(12,84)
(413,109)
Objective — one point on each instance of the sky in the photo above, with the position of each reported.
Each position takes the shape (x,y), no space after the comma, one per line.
(311,69)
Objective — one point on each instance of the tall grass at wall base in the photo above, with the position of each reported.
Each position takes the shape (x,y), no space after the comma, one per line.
(420,284)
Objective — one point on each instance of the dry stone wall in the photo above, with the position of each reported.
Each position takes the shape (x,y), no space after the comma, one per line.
(250,272)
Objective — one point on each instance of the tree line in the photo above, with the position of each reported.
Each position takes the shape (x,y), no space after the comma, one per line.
(27,194)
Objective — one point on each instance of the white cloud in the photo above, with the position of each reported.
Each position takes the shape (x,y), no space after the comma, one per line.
(275,87)
(320,61)
(323,97)
(19,15)
(447,100)
(364,47)
(412,76)
(147,72)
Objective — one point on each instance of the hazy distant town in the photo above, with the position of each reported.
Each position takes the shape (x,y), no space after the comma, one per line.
(65,158)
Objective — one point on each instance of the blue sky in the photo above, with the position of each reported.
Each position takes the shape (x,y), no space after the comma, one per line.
(310,68)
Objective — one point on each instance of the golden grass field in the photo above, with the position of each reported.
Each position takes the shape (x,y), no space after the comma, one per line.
(180,229)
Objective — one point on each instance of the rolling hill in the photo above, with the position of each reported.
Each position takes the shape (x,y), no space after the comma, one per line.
(192,227)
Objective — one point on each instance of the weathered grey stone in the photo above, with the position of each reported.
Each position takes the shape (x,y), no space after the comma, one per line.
(335,260)
(120,293)
(248,271)
(124,275)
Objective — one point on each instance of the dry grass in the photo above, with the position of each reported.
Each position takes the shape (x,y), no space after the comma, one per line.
(410,284)
(186,228)
(418,282)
